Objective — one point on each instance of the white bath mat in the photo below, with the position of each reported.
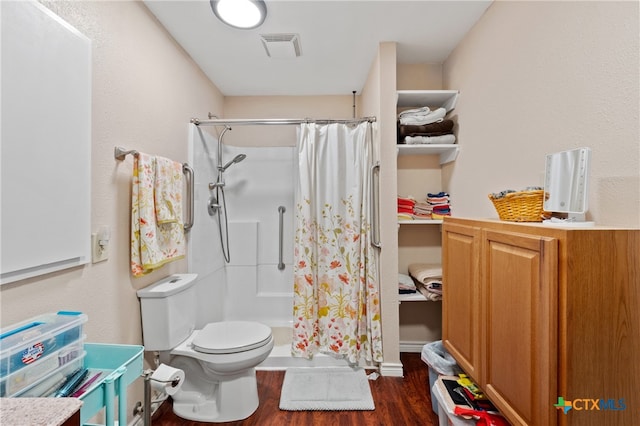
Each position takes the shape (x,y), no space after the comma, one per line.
(326,389)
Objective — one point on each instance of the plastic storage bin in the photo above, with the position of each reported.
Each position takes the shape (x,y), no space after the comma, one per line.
(33,350)
(120,366)
(440,362)
(35,380)
(445,416)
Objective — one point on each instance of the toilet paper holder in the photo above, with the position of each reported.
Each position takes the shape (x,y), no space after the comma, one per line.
(145,407)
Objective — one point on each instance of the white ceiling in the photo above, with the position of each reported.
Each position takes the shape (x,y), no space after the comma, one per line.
(339,41)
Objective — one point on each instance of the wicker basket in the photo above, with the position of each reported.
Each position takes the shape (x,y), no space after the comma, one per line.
(523,206)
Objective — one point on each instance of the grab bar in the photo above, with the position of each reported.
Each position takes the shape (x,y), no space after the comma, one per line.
(281,211)
(375,195)
(187,170)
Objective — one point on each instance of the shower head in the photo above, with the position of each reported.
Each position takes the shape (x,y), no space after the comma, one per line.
(238,158)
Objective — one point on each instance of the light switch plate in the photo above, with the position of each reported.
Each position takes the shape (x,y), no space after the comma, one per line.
(98,254)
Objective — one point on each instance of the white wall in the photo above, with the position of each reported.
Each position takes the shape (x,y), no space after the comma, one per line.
(541,77)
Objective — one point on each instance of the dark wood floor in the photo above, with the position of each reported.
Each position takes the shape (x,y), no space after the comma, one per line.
(398,401)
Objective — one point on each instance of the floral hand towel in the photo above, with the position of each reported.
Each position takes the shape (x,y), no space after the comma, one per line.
(168,190)
(153,244)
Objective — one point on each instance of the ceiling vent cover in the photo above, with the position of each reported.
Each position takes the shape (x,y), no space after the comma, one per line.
(281,46)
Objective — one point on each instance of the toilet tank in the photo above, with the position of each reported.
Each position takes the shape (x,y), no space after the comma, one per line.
(168,311)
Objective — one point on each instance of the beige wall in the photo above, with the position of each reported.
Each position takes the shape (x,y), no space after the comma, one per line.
(419,76)
(334,107)
(145,89)
(541,77)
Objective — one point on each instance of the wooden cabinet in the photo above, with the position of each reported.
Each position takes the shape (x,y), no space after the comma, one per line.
(461,307)
(536,313)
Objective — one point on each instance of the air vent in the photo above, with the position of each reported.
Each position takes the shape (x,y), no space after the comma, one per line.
(281,46)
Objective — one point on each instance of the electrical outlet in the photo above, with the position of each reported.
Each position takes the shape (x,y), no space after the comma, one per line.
(98,253)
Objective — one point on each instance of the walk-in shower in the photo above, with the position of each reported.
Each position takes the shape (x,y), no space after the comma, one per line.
(217,203)
(255,285)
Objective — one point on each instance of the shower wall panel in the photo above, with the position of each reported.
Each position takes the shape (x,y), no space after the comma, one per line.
(255,189)
(250,287)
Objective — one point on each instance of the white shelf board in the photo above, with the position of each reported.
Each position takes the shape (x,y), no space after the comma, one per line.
(412,297)
(431,98)
(447,152)
(420,222)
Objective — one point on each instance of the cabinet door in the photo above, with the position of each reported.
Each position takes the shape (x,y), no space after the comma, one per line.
(519,353)
(461,295)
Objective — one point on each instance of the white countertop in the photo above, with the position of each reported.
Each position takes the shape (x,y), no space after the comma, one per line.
(37,411)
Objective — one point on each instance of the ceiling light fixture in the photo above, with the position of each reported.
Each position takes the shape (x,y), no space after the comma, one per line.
(244,14)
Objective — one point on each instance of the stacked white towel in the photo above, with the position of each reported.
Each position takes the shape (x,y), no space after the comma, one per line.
(418,140)
(422,116)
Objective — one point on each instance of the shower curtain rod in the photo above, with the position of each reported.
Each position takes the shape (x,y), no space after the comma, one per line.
(274,121)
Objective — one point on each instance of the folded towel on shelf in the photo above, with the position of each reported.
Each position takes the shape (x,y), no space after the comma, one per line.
(406,201)
(439,194)
(405,216)
(434,129)
(422,207)
(169,181)
(415,111)
(405,205)
(434,287)
(418,120)
(425,272)
(437,201)
(428,294)
(405,284)
(152,244)
(420,140)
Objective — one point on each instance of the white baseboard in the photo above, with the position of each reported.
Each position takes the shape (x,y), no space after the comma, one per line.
(390,369)
(412,347)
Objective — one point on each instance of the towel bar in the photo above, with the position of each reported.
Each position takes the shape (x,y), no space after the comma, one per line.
(120,153)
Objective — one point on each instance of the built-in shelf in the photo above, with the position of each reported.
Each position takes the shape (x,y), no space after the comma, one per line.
(431,98)
(420,222)
(447,152)
(412,297)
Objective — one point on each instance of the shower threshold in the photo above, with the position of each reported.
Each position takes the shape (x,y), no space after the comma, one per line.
(280,357)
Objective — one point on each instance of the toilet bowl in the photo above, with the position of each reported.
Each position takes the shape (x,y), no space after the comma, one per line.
(220,379)
(218,360)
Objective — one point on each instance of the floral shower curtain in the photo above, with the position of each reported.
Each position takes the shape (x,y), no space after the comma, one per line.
(336,292)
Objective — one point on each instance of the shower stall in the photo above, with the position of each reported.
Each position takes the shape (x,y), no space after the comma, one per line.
(256,284)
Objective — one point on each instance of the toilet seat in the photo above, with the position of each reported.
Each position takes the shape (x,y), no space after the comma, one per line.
(229,337)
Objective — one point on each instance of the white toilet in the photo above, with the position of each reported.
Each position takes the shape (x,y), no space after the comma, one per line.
(218,361)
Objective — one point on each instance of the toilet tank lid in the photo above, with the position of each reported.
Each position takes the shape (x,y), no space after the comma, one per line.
(168,286)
